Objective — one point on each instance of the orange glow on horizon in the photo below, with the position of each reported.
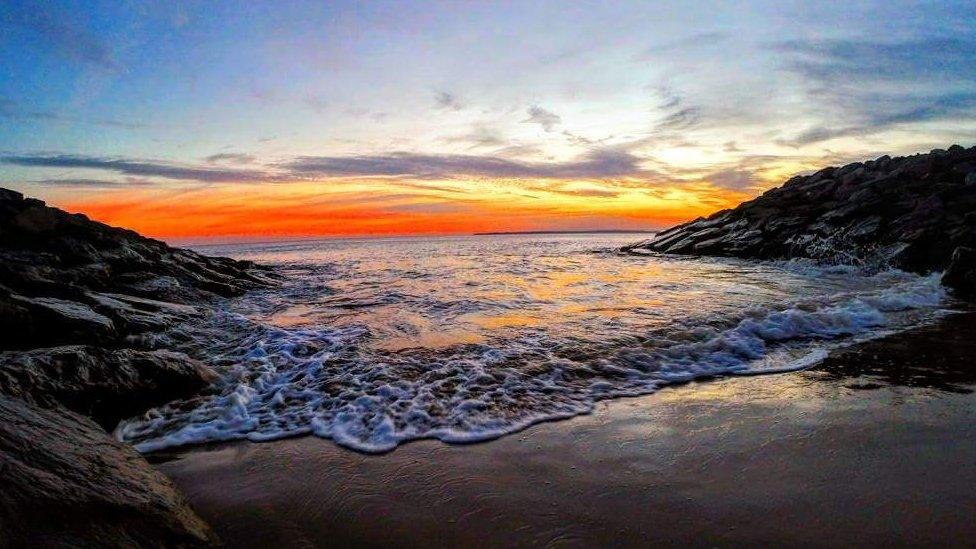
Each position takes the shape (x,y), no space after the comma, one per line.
(305,211)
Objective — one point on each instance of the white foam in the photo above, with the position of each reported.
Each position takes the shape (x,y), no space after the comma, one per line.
(325,382)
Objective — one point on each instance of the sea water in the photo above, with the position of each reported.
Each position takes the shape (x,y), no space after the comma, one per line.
(374,342)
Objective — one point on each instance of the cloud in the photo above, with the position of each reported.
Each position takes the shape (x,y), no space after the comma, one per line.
(519,150)
(54,32)
(595,164)
(577,139)
(617,163)
(731,146)
(677,116)
(568,189)
(360,112)
(479,136)
(92,183)
(890,112)
(545,118)
(315,102)
(844,61)
(680,120)
(447,101)
(592,193)
(819,134)
(235,158)
(866,87)
(138,168)
(670,99)
(699,40)
(13,110)
(429,208)
(733,179)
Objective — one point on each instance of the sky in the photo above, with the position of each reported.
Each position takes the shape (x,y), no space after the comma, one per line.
(291,119)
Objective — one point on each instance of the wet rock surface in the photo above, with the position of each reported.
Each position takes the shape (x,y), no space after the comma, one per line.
(66,484)
(106,384)
(909,212)
(961,272)
(80,305)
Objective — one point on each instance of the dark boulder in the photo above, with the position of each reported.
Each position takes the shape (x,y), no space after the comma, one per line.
(106,384)
(65,483)
(960,276)
(51,320)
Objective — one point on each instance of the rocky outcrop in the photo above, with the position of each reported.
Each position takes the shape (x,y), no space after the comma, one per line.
(961,272)
(909,212)
(106,384)
(80,305)
(67,279)
(64,483)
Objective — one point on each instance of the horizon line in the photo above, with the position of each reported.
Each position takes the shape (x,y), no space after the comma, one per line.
(204,241)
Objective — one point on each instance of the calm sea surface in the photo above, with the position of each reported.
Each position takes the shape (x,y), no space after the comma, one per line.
(373,342)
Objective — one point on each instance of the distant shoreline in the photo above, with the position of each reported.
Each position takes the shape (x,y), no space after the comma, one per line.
(605,231)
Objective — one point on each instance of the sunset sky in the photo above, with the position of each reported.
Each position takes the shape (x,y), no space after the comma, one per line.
(253,119)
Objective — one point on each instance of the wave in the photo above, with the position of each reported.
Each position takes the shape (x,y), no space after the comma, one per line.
(328,382)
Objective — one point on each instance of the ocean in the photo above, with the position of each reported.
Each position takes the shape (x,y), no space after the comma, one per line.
(376,342)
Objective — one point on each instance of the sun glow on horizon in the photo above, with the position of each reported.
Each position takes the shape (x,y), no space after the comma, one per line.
(383,208)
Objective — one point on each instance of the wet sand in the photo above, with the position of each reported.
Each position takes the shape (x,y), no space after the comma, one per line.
(876,446)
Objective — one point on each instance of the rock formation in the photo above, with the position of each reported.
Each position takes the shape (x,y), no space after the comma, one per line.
(65,483)
(916,213)
(77,300)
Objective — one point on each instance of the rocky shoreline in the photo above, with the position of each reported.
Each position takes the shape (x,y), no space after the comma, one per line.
(80,304)
(917,213)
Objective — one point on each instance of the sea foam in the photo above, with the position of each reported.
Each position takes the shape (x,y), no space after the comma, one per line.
(329,381)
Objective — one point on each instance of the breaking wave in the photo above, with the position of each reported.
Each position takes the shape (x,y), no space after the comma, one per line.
(335,380)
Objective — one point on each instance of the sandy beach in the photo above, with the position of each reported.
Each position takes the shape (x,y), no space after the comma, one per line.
(873,447)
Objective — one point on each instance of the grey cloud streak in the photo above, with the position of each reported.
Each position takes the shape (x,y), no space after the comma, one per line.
(597,163)
(139,168)
(12,110)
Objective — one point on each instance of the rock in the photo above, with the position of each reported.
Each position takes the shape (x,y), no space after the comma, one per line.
(906,212)
(866,228)
(136,315)
(40,245)
(960,276)
(65,483)
(70,311)
(56,269)
(13,196)
(106,384)
(52,321)
(80,303)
